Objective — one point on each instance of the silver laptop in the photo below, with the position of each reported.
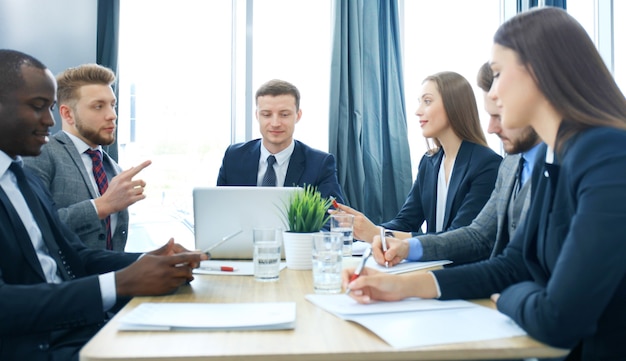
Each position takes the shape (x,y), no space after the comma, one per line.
(222,211)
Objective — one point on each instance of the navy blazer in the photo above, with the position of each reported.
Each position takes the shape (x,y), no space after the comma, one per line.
(240,167)
(472,181)
(38,320)
(563,276)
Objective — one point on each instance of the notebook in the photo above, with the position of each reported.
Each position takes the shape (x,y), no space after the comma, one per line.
(210,317)
(222,211)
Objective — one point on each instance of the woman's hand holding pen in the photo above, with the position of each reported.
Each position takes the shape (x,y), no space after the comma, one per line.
(373,285)
(364,229)
(397,250)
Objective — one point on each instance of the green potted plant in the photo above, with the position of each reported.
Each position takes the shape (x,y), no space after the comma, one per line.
(305,213)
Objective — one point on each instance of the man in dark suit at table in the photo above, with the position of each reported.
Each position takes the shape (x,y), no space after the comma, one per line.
(277,159)
(493,227)
(56,293)
(95,209)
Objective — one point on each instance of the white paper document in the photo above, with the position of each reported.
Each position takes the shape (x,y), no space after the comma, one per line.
(240,268)
(210,316)
(417,322)
(405,266)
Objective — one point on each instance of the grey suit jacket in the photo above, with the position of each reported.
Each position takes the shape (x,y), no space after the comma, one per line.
(62,170)
(488,233)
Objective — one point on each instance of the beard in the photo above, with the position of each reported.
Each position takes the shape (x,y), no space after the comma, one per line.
(526,141)
(92,134)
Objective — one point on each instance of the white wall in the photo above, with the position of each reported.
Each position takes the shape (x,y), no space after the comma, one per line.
(60,33)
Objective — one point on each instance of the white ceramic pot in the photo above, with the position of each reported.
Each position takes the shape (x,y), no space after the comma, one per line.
(298,250)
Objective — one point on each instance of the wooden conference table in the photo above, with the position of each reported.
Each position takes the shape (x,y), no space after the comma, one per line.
(318,335)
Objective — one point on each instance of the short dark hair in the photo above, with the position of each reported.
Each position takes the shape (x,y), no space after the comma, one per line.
(567,68)
(11,62)
(277,87)
(484,79)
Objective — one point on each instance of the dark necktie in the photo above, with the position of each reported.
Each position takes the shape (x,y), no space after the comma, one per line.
(518,180)
(269,179)
(101,179)
(40,217)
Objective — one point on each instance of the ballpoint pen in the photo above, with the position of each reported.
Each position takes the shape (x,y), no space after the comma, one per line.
(334,202)
(357,271)
(220,268)
(384,242)
(209,249)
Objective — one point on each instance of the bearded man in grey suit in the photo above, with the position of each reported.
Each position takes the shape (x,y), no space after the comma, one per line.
(493,227)
(99,216)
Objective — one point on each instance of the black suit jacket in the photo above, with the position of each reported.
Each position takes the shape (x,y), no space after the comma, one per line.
(473,178)
(38,320)
(240,167)
(563,276)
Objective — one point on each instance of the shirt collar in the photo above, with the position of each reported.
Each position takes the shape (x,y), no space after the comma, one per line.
(80,144)
(282,156)
(5,162)
(531,155)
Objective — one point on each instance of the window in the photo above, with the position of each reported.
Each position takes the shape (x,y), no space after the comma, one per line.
(454,35)
(184,72)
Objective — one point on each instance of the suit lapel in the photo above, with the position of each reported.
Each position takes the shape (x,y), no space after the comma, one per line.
(507,187)
(458,174)
(73,263)
(249,161)
(21,235)
(69,147)
(296,166)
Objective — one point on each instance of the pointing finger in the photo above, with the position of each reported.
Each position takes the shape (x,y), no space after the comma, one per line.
(135,170)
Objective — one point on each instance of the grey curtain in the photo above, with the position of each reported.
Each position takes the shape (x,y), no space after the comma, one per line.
(107,46)
(368,132)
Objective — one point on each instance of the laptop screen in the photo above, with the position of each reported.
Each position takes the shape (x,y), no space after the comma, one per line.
(222,211)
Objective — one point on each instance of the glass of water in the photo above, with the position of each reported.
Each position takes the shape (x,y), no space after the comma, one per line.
(266,256)
(343,223)
(327,262)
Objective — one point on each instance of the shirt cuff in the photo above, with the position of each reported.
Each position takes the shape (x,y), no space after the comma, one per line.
(416,251)
(436,284)
(107,290)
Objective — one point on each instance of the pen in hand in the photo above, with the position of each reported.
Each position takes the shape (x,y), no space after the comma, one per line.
(384,242)
(357,271)
(334,203)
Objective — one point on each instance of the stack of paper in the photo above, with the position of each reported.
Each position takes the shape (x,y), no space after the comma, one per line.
(405,266)
(419,322)
(210,316)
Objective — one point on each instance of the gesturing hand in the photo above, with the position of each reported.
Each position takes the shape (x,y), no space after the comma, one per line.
(364,229)
(122,192)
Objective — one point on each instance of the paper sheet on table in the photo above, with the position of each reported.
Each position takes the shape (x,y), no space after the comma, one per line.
(405,266)
(416,322)
(210,316)
(244,268)
(344,306)
(358,247)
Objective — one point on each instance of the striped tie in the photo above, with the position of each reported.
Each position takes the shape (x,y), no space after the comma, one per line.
(103,184)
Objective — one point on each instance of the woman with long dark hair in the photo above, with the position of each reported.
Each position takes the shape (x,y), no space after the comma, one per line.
(563,276)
